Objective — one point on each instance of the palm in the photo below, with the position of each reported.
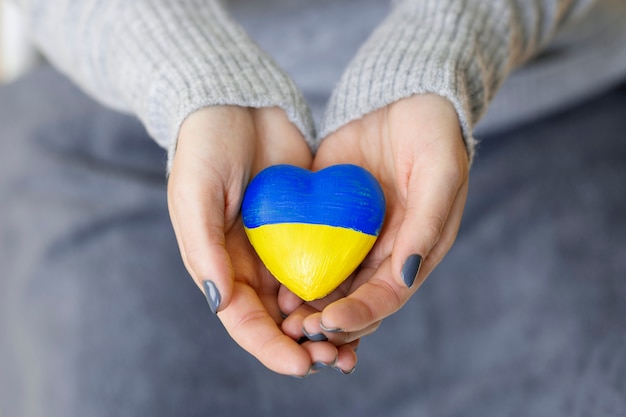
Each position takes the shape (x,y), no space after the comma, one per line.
(370,148)
(415,149)
(219,151)
(250,273)
(362,138)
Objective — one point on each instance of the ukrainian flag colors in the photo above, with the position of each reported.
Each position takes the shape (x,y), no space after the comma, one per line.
(312,230)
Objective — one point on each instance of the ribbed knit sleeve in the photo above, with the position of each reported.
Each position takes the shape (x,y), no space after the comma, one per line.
(459,49)
(162,59)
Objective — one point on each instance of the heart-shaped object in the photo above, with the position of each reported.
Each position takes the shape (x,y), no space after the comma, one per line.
(312,230)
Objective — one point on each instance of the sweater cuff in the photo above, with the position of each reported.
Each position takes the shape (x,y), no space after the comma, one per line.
(179,56)
(430,46)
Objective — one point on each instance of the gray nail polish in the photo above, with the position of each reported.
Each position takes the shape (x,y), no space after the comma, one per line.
(330,329)
(318,337)
(341,371)
(212,295)
(302,376)
(411,268)
(318,366)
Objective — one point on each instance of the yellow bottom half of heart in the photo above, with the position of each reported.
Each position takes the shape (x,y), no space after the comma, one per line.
(310,259)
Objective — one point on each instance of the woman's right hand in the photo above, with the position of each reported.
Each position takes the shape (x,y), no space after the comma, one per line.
(219,150)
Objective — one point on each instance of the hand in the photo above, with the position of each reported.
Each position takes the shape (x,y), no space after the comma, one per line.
(219,150)
(415,149)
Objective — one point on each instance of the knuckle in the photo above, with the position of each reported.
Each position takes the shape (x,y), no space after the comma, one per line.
(443,246)
(454,173)
(387,301)
(250,320)
(179,195)
(201,259)
(193,258)
(432,228)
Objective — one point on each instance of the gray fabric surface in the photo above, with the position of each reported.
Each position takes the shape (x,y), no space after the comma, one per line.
(525,317)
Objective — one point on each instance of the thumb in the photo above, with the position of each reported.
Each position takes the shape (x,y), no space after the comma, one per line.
(198,220)
(430,196)
(208,171)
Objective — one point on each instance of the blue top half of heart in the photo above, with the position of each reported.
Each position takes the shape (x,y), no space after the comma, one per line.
(346,196)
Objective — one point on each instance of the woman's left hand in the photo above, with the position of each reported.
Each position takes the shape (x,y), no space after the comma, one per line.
(415,149)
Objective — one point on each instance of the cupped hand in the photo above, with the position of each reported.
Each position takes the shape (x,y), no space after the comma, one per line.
(219,149)
(415,149)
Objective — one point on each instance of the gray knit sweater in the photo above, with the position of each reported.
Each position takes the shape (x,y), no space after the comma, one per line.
(163,59)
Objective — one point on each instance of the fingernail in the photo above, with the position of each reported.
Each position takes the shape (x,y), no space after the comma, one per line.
(330,329)
(308,372)
(317,337)
(318,366)
(411,268)
(212,295)
(341,371)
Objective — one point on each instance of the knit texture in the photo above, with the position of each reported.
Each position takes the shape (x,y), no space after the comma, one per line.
(460,49)
(162,60)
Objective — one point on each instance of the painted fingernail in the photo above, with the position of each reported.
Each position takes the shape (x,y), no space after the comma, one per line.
(318,366)
(410,269)
(308,372)
(341,371)
(330,329)
(317,337)
(212,295)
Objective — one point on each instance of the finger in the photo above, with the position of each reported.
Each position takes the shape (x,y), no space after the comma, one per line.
(380,295)
(304,323)
(347,358)
(313,329)
(377,297)
(293,324)
(431,192)
(268,299)
(448,236)
(323,355)
(344,359)
(249,324)
(204,192)
(288,301)
(197,213)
